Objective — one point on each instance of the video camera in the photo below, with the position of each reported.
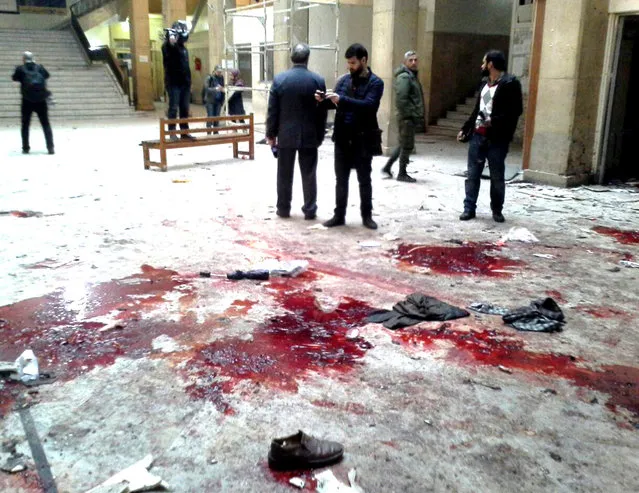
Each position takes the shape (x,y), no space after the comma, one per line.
(179,30)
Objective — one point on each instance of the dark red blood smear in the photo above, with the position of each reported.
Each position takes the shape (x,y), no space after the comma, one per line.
(474,259)
(556,295)
(284,477)
(489,348)
(57,326)
(282,350)
(601,311)
(622,236)
(26,481)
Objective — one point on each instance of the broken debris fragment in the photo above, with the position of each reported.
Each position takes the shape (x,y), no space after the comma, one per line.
(518,234)
(136,478)
(542,315)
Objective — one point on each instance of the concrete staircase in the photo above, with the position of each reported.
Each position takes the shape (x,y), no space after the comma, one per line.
(80,90)
(452,123)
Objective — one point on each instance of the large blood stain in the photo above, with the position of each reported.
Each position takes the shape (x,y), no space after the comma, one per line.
(622,236)
(65,331)
(489,348)
(282,350)
(470,259)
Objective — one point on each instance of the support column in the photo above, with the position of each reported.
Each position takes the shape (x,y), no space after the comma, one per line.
(216,31)
(570,72)
(141,55)
(173,10)
(425,45)
(394,32)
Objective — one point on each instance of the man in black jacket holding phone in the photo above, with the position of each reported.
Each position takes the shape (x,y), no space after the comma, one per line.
(491,127)
(356,134)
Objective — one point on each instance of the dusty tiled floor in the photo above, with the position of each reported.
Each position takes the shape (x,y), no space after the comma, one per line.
(202,372)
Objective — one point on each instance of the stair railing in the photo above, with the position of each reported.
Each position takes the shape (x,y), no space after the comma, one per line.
(84,7)
(101,54)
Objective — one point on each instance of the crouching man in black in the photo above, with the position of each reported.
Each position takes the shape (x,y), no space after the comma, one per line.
(356,134)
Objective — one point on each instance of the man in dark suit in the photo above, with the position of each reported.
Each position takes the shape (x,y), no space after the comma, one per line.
(296,124)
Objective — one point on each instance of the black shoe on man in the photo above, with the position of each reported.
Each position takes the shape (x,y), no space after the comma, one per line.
(467,215)
(51,150)
(25,151)
(387,170)
(405,177)
(187,137)
(283,214)
(334,221)
(369,223)
(301,451)
(498,217)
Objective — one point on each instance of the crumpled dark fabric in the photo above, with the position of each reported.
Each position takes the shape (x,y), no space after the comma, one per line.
(543,315)
(416,308)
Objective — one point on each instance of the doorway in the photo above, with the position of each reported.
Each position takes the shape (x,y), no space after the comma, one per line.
(621,153)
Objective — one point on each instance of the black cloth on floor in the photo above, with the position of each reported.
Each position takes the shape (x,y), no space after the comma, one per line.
(416,308)
(540,316)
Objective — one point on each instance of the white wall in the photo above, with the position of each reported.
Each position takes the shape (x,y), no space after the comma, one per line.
(465,16)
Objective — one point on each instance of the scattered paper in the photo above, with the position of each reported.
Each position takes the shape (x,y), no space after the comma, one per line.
(352,334)
(27,365)
(298,482)
(328,483)
(370,244)
(135,477)
(544,255)
(319,226)
(628,263)
(390,237)
(518,234)
(165,344)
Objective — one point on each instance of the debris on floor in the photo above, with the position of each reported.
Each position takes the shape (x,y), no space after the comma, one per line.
(629,264)
(522,235)
(298,483)
(369,244)
(416,308)
(252,275)
(328,483)
(27,365)
(134,478)
(14,464)
(542,315)
(279,268)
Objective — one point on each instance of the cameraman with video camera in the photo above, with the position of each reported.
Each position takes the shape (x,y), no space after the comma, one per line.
(177,74)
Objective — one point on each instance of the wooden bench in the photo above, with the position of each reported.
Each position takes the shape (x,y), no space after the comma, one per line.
(234,133)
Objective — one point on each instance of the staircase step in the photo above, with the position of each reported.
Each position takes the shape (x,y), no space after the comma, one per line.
(81,90)
(442,131)
(446,123)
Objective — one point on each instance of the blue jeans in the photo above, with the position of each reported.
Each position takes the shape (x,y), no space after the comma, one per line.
(213,109)
(481,149)
(179,98)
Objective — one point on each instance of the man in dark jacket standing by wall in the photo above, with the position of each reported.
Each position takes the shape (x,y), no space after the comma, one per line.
(295,124)
(32,78)
(356,133)
(491,126)
(409,100)
(177,74)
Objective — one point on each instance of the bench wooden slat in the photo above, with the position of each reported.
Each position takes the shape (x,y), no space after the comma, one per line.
(226,135)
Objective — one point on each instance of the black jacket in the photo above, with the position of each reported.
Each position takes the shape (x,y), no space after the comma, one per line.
(507,108)
(19,75)
(356,117)
(176,64)
(294,116)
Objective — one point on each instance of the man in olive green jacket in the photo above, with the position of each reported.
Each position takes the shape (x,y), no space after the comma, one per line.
(410,115)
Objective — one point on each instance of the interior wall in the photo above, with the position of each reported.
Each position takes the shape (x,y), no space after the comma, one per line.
(355,23)
(464,31)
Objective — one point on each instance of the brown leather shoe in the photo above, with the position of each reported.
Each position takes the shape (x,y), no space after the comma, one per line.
(301,451)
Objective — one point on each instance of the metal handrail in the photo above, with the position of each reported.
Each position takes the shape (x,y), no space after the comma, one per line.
(84,7)
(101,54)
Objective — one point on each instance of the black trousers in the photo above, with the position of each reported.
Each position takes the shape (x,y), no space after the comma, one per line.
(285,172)
(42,110)
(179,98)
(348,156)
